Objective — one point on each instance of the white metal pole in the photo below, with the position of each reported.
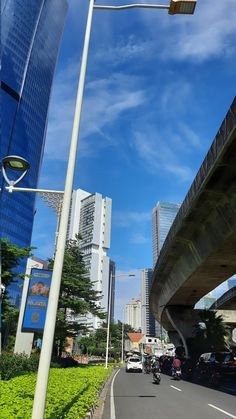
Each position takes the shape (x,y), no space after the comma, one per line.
(122,337)
(108,319)
(49,329)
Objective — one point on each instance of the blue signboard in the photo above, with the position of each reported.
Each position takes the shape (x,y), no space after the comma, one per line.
(37,300)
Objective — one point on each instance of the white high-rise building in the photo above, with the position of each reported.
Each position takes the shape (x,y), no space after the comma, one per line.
(133,314)
(90,216)
(147,319)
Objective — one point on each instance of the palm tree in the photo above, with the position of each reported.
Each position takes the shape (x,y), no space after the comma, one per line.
(210,334)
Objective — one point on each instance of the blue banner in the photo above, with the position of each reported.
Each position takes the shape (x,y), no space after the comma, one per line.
(37,300)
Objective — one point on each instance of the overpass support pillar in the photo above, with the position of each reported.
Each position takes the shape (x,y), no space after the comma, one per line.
(183,319)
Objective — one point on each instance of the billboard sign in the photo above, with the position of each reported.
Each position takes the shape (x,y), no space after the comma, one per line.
(37,300)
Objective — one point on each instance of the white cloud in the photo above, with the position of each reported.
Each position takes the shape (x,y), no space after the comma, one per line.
(138,238)
(125,50)
(105,101)
(175,97)
(127,219)
(209,33)
(158,155)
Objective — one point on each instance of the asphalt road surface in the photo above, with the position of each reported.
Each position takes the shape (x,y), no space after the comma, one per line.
(134,396)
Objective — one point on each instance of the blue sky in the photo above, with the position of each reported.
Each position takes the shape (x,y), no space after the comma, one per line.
(157,90)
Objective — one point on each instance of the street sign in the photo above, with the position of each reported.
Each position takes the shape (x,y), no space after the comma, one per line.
(37,300)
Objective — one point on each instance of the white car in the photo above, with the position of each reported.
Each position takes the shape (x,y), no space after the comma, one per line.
(134,364)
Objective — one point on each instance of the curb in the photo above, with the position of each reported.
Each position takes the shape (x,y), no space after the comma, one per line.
(96,411)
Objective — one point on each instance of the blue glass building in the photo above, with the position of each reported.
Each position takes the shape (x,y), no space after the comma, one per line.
(163,216)
(31,31)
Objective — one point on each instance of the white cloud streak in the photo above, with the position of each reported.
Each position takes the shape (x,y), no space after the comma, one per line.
(127,219)
(105,101)
(210,33)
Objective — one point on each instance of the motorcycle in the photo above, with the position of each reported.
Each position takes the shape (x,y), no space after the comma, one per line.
(176,373)
(156,377)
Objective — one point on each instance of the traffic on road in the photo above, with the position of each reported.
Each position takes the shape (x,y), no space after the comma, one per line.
(184,390)
(135,396)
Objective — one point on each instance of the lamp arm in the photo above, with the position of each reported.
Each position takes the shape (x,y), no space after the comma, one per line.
(131,6)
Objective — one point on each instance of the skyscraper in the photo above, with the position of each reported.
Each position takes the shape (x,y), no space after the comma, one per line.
(147,319)
(133,314)
(112,278)
(90,216)
(163,216)
(30,39)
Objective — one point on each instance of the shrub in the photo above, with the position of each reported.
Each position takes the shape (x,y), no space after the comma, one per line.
(71,393)
(13,365)
(68,362)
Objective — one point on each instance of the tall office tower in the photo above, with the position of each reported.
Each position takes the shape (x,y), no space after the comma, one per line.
(90,216)
(112,277)
(133,314)
(163,216)
(30,37)
(147,319)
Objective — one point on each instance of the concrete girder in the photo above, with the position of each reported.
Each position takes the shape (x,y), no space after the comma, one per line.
(199,252)
(183,319)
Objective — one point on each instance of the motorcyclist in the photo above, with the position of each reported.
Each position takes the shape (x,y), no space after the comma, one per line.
(176,365)
(155,365)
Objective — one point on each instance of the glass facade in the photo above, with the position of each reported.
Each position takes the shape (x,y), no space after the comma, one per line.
(31,33)
(163,216)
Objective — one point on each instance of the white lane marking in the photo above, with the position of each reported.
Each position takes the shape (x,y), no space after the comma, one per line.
(112,403)
(223,411)
(176,388)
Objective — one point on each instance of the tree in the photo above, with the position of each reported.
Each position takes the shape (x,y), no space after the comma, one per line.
(95,343)
(11,256)
(210,334)
(77,296)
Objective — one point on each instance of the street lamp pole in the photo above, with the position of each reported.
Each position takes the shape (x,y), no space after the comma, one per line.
(49,329)
(109,314)
(122,337)
(108,318)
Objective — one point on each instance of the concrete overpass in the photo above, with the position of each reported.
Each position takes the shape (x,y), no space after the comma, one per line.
(199,251)
(227,301)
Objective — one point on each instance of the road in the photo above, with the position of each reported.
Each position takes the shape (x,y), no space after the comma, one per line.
(134,396)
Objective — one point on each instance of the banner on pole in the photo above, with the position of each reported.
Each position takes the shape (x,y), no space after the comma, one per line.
(37,300)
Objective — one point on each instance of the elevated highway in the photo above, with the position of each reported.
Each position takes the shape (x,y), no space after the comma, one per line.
(227,301)
(199,251)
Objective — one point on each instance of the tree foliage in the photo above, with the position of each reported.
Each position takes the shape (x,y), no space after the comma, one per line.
(211,334)
(11,255)
(95,342)
(77,295)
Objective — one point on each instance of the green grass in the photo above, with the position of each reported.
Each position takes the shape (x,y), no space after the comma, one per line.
(71,393)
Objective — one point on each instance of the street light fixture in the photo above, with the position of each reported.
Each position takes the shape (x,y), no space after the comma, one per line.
(49,329)
(15,164)
(185,7)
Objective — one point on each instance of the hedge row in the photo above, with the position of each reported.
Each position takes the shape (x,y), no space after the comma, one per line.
(13,365)
(71,393)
